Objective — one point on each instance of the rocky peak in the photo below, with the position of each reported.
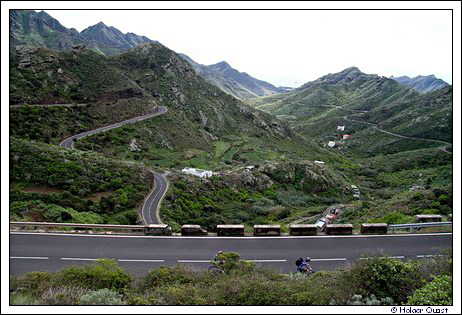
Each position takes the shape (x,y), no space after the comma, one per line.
(223,65)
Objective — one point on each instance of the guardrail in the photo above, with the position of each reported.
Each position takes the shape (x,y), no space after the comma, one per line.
(259,230)
(418,225)
(81,225)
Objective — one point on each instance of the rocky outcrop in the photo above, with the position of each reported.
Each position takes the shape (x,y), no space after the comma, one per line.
(41,29)
(133,146)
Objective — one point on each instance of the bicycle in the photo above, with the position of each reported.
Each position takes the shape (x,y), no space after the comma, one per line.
(216,269)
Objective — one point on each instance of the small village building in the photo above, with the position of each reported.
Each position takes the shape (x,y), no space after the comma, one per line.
(341,128)
(197,172)
(319,162)
(344,137)
(331,144)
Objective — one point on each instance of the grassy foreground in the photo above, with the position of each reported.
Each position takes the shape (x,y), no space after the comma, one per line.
(374,281)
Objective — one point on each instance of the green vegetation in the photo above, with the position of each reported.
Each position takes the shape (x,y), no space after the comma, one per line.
(75,179)
(273,192)
(52,124)
(379,281)
(436,292)
(206,128)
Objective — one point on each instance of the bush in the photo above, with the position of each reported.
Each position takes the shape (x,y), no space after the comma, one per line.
(437,292)
(383,278)
(229,261)
(105,273)
(101,297)
(179,295)
(164,275)
(62,295)
(23,299)
(394,217)
(34,282)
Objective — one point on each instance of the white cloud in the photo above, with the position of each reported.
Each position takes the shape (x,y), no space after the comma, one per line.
(293,47)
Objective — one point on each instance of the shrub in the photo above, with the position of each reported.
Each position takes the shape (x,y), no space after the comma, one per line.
(227,261)
(105,273)
(372,300)
(101,297)
(34,282)
(23,299)
(62,295)
(164,275)
(394,217)
(179,295)
(383,278)
(436,292)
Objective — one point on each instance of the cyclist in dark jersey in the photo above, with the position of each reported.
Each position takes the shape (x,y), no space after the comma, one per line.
(303,265)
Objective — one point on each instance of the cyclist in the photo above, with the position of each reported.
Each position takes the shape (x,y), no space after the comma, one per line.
(303,265)
(217,263)
(217,259)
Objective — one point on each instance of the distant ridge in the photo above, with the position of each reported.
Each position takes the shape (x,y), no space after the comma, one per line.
(231,81)
(423,84)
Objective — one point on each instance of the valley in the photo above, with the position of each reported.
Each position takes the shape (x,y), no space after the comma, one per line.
(139,175)
(162,111)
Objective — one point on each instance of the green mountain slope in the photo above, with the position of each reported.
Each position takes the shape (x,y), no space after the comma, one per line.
(203,127)
(364,104)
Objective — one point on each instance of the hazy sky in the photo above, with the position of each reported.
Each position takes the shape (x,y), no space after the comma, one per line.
(292,47)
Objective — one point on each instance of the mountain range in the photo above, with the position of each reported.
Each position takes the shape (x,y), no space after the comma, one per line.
(273,163)
(421,83)
(239,84)
(28,27)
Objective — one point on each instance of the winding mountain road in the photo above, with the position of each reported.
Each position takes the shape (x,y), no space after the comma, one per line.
(375,126)
(150,210)
(31,251)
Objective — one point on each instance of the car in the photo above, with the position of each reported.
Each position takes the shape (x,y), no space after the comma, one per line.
(331,217)
(321,224)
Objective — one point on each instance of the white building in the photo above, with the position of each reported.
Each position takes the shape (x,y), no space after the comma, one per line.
(341,128)
(319,162)
(197,172)
(331,144)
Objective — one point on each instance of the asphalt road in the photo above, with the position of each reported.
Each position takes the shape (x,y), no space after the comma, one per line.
(69,142)
(398,135)
(50,252)
(150,210)
(151,204)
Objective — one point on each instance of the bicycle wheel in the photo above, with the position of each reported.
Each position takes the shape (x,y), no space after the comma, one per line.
(215,269)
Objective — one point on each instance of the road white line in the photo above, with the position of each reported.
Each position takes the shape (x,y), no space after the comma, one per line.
(18,257)
(428,256)
(142,260)
(194,261)
(266,260)
(328,259)
(83,259)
